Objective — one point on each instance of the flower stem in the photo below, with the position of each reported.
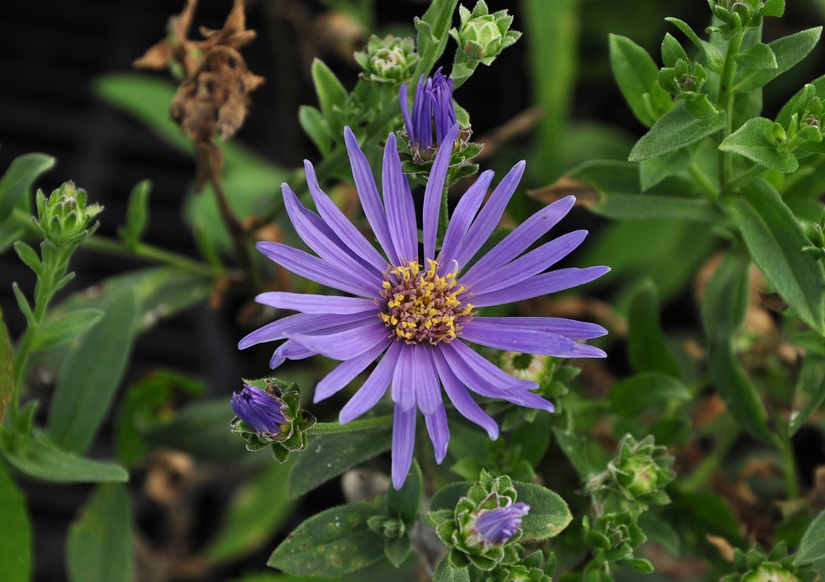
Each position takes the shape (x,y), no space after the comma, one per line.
(336,428)
(745,177)
(726,101)
(788,462)
(145,251)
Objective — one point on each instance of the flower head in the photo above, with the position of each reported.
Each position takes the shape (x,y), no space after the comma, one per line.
(260,411)
(388,60)
(433,114)
(420,312)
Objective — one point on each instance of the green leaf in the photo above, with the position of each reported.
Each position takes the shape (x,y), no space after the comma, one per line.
(714,59)
(774,8)
(15,535)
(675,129)
(799,100)
(789,50)
(446,572)
(99,546)
(332,543)
(328,456)
(634,395)
(810,390)
(755,141)
(28,256)
(331,96)
(433,32)
(137,214)
(672,51)
(254,515)
(405,503)
(702,514)
(6,368)
(575,449)
(312,122)
(618,194)
(723,312)
(759,56)
(654,170)
(812,547)
(397,550)
(59,331)
(647,345)
(775,239)
(19,177)
(36,456)
(661,532)
(91,373)
(549,513)
(534,438)
(447,497)
(636,73)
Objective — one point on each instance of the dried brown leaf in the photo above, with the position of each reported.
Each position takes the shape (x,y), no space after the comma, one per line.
(723,545)
(565,186)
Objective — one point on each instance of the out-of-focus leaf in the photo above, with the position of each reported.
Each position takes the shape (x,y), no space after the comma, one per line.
(702,514)
(327,456)
(789,50)
(775,239)
(654,170)
(647,345)
(534,438)
(91,373)
(575,449)
(810,390)
(332,543)
(137,213)
(59,331)
(812,547)
(15,535)
(674,130)
(267,577)
(316,129)
(19,177)
(405,503)
(147,404)
(634,395)
(6,368)
(332,97)
(99,546)
(200,429)
(255,514)
(636,73)
(661,532)
(617,193)
(755,141)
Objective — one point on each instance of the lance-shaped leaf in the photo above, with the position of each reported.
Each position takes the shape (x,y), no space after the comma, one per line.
(19,177)
(675,129)
(433,32)
(810,390)
(99,547)
(789,50)
(636,73)
(755,141)
(812,546)
(332,96)
(647,345)
(775,240)
(634,395)
(759,56)
(55,332)
(15,535)
(332,543)
(6,368)
(137,214)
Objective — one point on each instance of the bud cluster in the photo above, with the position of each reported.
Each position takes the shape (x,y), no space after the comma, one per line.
(756,566)
(814,232)
(271,417)
(64,217)
(737,15)
(804,128)
(481,37)
(390,60)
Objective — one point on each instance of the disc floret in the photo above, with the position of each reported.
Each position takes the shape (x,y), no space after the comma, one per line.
(424,306)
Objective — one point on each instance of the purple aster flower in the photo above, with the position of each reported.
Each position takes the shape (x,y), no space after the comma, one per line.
(260,411)
(418,311)
(497,526)
(433,114)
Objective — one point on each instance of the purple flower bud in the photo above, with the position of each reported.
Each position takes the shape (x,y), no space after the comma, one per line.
(497,526)
(260,411)
(433,114)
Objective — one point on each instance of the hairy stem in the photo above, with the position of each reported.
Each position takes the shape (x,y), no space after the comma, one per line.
(726,102)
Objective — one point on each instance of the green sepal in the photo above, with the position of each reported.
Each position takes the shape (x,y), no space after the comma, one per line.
(397,549)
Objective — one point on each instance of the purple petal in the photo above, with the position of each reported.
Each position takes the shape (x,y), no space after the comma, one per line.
(374,388)
(368,193)
(318,236)
(526,341)
(341,225)
(347,344)
(403,443)
(347,371)
(427,388)
(461,399)
(405,113)
(439,431)
(540,285)
(315,269)
(484,225)
(303,322)
(310,303)
(289,350)
(521,238)
(399,202)
(404,378)
(434,192)
(464,213)
(527,265)
(569,328)
(482,377)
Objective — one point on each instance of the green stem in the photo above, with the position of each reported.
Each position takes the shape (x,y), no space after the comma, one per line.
(788,462)
(725,103)
(745,177)
(145,251)
(703,180)
(336,428)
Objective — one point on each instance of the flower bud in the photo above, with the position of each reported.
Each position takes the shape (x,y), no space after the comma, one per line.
(433,114)
(64,218)
(482,36)
(390,60)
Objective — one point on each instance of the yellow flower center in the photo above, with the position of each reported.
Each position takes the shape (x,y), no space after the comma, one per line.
(423,305)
